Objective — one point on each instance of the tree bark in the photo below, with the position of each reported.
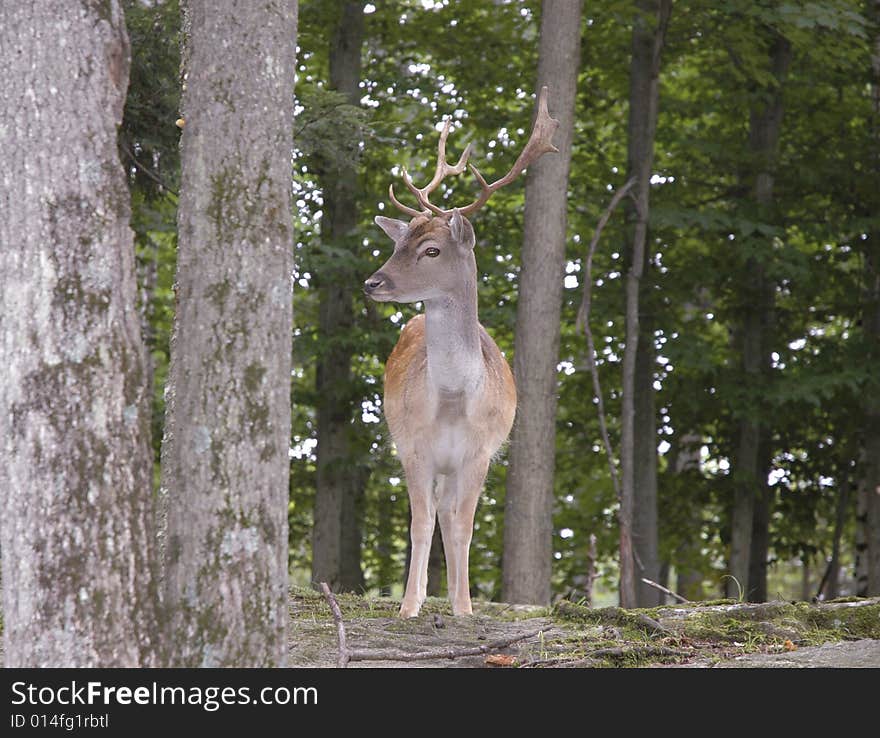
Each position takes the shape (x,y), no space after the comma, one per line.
(645,531)
(79,564)
(528,515)
(751,466)
(868,562)
(336,541)
(225,453)
(649,32)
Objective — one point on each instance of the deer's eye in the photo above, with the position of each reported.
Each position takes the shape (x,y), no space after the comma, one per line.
(432,251)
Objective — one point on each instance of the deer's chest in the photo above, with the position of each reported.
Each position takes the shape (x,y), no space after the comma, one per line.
(452,431)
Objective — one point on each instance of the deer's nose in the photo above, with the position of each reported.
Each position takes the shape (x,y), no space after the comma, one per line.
(375,282)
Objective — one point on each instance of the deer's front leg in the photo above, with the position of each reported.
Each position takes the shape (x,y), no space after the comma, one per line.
(464,488)
(419,485)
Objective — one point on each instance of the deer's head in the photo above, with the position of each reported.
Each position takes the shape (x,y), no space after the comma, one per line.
(434,252)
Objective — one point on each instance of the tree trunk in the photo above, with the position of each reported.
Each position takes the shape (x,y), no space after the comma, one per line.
(384,545)
(759,552)
(645,532)
(806,587)
(688,577)
(869,462)
(869,466)
(79,564)
(639,488)
(435,565)
(861,541)
(225,454)
(336,541)
(528,514)
(831,584)
(751,466)
(760,546)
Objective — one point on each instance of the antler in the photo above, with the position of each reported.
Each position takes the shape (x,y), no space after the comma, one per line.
(539,143)
(443,170)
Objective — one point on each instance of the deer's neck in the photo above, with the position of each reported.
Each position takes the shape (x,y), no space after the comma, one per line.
(452,334)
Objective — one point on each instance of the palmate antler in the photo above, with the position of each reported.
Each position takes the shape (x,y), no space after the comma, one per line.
(539,143)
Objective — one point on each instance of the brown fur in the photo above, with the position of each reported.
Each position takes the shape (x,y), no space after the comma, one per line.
(405,387)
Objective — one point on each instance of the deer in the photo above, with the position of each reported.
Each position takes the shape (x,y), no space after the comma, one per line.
(449,395)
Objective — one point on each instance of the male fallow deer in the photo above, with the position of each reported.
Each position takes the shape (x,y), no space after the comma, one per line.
(450,397)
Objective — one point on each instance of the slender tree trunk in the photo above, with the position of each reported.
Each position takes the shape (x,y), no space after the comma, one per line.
(869,462)
(688,577)
(435,564)
(639,544)
(645,532)
(384,545)
(869,466)
(148,277)
(751,466)
(861,541)
(225,455)
(760,545)
(829,587)
(806,572)
(528,515)
(336,542)
(79,566)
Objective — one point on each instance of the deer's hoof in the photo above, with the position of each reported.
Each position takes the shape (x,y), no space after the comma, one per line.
(409,610)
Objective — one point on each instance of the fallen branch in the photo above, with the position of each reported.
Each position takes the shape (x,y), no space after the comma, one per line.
(343,658)
(347,654)
(665,591)
(394,654)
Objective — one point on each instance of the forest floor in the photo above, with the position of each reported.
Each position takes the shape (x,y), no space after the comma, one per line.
(842,633)
(723,633)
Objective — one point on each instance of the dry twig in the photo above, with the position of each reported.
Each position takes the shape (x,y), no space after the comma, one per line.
(394,654)
(665,591)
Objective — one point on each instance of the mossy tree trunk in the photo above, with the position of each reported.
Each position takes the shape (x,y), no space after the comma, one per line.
(79,564)
(528,512)
(336,542)
(225,453)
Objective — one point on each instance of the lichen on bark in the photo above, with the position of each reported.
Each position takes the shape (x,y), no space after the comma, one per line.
(77,530)
(228,415)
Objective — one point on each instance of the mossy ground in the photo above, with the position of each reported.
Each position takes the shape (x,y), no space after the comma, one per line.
(701,634)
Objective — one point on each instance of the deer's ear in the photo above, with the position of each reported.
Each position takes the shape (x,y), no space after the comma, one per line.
(393,228)
(461,230)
